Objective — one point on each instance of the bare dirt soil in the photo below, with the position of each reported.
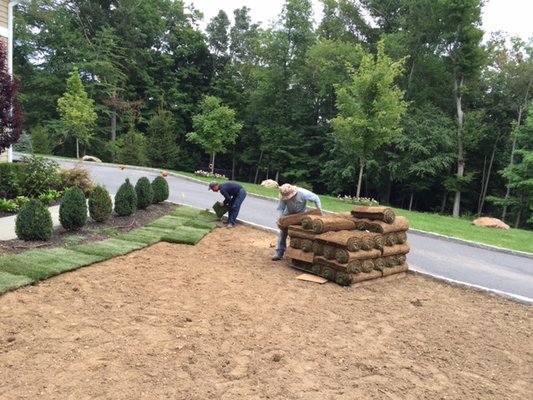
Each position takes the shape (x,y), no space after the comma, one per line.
(219,320)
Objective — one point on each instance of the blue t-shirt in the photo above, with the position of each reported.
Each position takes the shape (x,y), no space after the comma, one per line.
(298,203)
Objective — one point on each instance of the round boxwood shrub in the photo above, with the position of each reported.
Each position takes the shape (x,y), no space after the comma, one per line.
(125,199)
(73,209)
(160,188)
(145,193)
(34,222)
(100,204)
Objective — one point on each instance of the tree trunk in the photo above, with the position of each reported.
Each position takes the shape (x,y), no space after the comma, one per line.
(77,148)
(460,151)
(411,201)
(233,168)
(518,217)
(487,179)
(277,176)
(518,123)
(212,163)
(258,165)
(443,204)
(360,179)
(113,133)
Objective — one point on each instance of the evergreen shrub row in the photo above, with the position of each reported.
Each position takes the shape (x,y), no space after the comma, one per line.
(34,221)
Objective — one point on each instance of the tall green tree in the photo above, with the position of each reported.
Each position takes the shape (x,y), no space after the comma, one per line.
(215,128)
(460,46)
(517,67)
(77,111)
(163,149)
(370,108)
(423,151)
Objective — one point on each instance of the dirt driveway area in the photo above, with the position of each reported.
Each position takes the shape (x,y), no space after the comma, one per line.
(219,320)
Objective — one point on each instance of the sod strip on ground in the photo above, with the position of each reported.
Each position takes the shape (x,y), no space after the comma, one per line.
(145,235)
(186,212)
(109,248)
(41,264)
(185,235)
(168,222)
(9,281)
(199,224)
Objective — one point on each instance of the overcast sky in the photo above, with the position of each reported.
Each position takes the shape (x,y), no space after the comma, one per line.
(511,16)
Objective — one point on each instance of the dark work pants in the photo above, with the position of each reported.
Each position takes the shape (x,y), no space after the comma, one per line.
(234,212)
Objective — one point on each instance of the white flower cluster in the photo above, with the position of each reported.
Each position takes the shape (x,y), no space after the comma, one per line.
(209,174)
(360,201)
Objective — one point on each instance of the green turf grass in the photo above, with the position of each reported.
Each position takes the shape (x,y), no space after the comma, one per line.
(185,235)
(145,235)
(109,248)
(10,281)
(168,222)
(41,264)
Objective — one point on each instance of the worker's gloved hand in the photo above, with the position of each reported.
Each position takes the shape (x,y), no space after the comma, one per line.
(220,204)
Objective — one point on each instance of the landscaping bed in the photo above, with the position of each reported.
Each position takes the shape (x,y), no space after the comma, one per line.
(92,231)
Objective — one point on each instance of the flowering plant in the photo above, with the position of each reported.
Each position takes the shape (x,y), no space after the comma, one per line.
(359,201)
(209,174)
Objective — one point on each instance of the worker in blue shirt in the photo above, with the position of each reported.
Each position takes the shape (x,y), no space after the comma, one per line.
(292,200)
(234,194)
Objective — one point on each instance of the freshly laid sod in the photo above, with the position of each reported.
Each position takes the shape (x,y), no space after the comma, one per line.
(168,222)
(145,235)
(186,225)
(186,235)
(42,264)
(109,248)
(10,281)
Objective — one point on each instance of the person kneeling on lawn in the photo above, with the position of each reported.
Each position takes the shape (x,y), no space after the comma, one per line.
(292,200)
(234,194)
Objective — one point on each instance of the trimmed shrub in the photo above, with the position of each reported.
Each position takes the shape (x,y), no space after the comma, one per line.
(100,204)
(12,176)
(126,199)
(73,209)
(145,193)
(76,177)
(41,175)
(34,222)
(160,189)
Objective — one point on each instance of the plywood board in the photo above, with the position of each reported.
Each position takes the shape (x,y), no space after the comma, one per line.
(311,278)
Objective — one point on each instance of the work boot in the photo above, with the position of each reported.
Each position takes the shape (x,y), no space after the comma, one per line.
(276,258)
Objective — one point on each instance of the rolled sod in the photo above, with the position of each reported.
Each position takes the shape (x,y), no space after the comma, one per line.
(384,214)
(296,219)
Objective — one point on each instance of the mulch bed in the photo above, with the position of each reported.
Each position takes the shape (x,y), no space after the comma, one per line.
(92,231)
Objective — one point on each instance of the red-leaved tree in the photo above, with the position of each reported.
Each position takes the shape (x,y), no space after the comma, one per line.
(10,111)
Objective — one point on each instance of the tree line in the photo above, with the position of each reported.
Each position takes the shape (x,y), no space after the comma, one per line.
(401,100)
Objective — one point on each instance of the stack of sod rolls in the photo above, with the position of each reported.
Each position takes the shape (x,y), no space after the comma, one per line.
(366,243)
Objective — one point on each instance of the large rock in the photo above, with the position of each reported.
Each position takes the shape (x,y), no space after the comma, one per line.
(91,158)
(269,183)
(490,223)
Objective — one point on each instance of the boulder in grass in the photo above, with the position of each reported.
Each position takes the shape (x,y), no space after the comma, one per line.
(490,223)
(269,183)
(91,158)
